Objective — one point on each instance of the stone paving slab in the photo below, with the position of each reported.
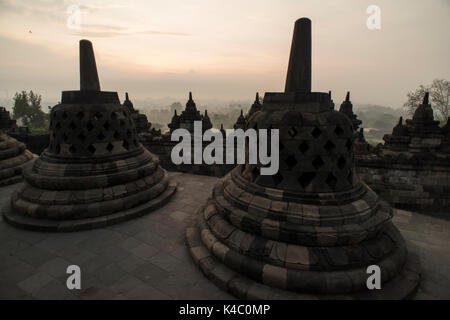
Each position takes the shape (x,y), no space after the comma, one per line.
(147,258)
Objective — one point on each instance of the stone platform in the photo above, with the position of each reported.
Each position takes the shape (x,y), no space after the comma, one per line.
(147,258)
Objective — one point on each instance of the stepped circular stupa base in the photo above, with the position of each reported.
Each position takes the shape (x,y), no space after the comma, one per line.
(259,247)
(13,158)
(25,222)
(404,286)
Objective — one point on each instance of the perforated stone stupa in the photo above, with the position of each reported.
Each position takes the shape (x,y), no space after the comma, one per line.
(312,229)
(412,169)
(139,119)
(13,157)
(94,172)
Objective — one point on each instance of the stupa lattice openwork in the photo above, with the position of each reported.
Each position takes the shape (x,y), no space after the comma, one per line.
(312,229)
(94,172)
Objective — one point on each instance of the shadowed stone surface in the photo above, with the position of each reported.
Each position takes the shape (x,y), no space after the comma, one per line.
(13,157)
(412,169)
(94,172)
(311,230)
(147,258)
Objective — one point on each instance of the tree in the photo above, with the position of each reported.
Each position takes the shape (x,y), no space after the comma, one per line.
(439,95)
(27,109)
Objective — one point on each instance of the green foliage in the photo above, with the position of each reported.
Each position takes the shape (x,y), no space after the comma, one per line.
(27,108)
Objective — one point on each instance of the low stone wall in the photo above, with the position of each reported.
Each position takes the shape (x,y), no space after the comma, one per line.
(409,187)
(36,142)
(163,149)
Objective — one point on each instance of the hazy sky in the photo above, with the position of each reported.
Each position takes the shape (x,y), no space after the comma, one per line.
(224,49)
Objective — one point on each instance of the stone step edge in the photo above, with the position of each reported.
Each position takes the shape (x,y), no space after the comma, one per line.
(32,224)
(403,286)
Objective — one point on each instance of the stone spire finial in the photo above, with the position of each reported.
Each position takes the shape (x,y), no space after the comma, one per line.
(257,98)
(190,96)
(347,97)
(88,69)
(400,121)
(426,98)
(298,77)
(126,96)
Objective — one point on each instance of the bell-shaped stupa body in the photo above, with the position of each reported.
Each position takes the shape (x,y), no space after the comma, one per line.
(312,229)
(94,172)
(13,157)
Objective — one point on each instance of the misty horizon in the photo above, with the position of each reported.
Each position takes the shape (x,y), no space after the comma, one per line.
(159,52)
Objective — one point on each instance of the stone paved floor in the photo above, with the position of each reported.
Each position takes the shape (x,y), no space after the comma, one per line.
(147,258)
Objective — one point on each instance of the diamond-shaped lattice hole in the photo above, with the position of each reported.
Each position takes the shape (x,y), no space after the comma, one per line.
(329,146)
(331,180)
(114,116)
(72,125)
(341,163)
(89,126)
(116,135)
(101,136)
(65,137)
(109,147)
(348,144)
(317,162)
(97,116)
(82,137)
(73,149)
(316,132)
(292,132)
(306,178)
(91,149)
(291,162)
(303,147)
(80,115)
(338,131)
(277,178)
(106,125)
(126,145)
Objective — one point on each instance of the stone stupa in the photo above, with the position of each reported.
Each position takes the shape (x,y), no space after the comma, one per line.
(13,157)
(94,172)
(311,230)
(411,170)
